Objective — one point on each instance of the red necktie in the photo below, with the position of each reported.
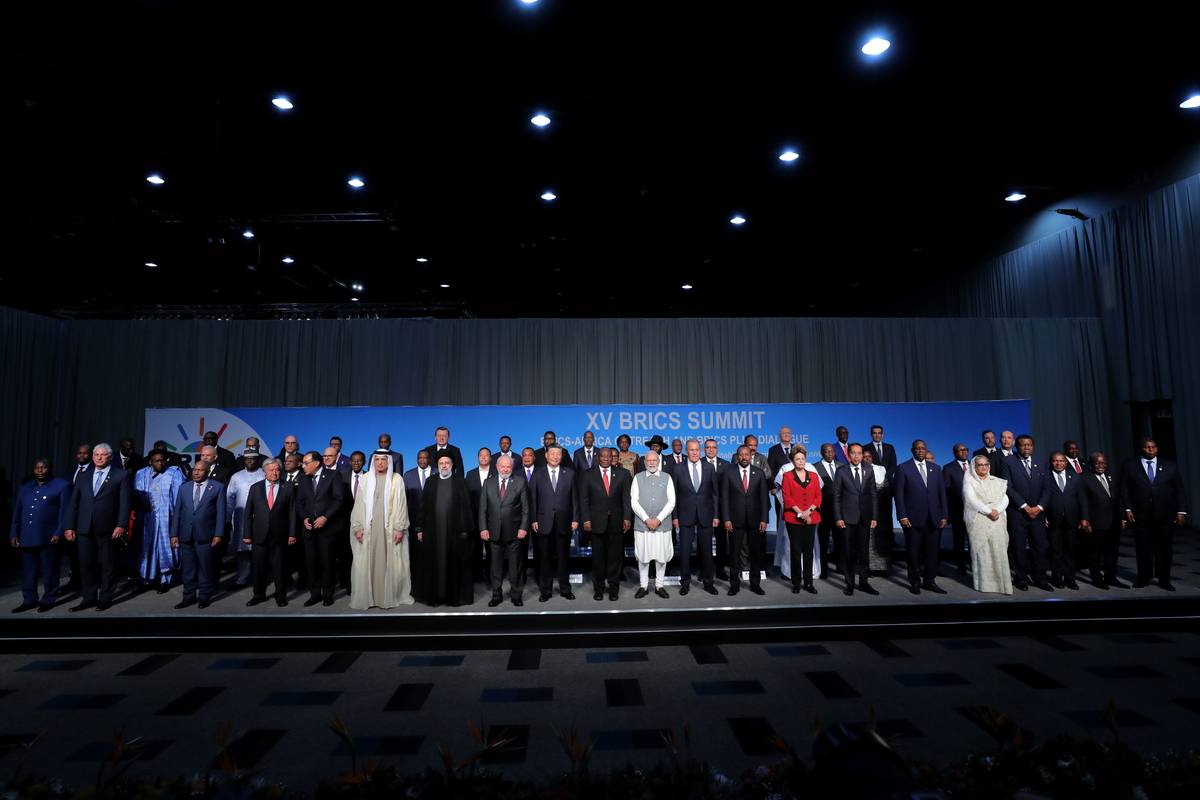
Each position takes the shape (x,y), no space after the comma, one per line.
(1078,469)
(745,480)
(605,476)
(964,466)
(270,496)
(503,486)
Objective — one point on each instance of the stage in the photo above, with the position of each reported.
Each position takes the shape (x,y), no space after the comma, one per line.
(148,621)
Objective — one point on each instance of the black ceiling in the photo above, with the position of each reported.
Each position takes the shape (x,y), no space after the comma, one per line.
(667,119)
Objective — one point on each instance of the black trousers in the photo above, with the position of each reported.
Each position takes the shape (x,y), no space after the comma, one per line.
(800,542)
(1152,541)
(856,551)
(755,542)
(721,537)
(551,550)
(922,544)
(199,569)
(319,560)
(266,564)
(510,554)
(825,531)
(39,562)
(608,550)
(702,537)
(96,560)
(1062,549)
(960,535)
(1099,550)
(1028,544)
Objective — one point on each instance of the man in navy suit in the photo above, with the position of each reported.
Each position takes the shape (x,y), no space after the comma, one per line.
(954,472)
(414,488)
(441,443)
(1155,503)
(921,507)
(555,515)
(697,512)
(269,526)
(883,453)
(1107,521)
(719,535)
(1028,494)
(96,520)
(197,526)
(745,510)
(341,461)
(855,507)
(827,471)
(1066,513)
(320,502)
(584,457)
(37,527)
(990,450)
(841,449)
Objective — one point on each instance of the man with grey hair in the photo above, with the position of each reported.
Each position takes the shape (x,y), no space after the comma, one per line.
(216,470)
(96,520)
(652,499)
(504,523)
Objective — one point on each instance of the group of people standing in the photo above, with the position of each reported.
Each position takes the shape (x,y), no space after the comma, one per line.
(320,520)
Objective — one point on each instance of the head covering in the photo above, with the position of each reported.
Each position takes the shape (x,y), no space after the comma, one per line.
(250,452)
(367,490)
(658,440)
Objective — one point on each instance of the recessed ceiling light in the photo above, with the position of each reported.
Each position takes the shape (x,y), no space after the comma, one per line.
(686,287)
(737,219)
(1191,102)
(155,179)
(282,103)
(549,195)
(529,2)
(1015,197)
(539,119)
(247,234)
(358,287)
(356,182)
(444,285)
(788,155)
(876,46)
(288,260)
(353,299)
(422,260)
(151,264)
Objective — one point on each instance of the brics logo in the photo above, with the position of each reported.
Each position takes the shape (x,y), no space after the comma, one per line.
(185,441)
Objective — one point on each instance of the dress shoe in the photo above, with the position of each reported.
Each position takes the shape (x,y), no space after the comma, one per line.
(181,604)
(684,589)
(543,597)
(708,587)
(640,593)
(758,590)
(312,601)
(72,586)
(1117,584)
(568,595)
(795,590)
(1021,584)
(733,590)
(933,587)
(722,575)
(21,609)
(1170,587)
(598,596)
(1056,581)
(663,593)
(613,594)
(518,602)
(914,589)
(104,605)
(849,590)
(495,601)
(1070,583)
(327,602)
(204,604)
(44,607)
(281,602)
(84,606)
(253,601)
(1100,584)
(808,587)
(868,588)
(1042,584)
(1140,584)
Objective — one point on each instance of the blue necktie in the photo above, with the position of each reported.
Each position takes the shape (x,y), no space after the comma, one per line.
(96,482)
(1150,470)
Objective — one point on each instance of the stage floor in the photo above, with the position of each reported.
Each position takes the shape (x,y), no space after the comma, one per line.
(150,617)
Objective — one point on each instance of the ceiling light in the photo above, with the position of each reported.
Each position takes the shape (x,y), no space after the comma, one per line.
(356,182)
(155,178)
(1015,197)
(151,264)
(1191,102)
(686,287)
(422,260)
(539,119)
(282,103)
(247,234)
(549,195)
(876,46)
(444,285)
(288,260)
(788,155)
(737,219)
(353,299)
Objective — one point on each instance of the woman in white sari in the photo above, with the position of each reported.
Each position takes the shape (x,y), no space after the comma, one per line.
(985,499)
(380,576)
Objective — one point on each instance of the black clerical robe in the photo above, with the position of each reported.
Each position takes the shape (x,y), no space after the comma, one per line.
(444,572)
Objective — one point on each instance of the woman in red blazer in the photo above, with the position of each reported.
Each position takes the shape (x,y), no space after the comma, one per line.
(802,513)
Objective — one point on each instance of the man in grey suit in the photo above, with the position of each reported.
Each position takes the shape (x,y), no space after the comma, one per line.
(855,508)
(504,525)
(196,528)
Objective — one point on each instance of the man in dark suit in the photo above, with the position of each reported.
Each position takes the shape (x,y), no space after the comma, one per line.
(674,458)
(555,517)
(129,459)
(197,527)
(585,457)
(505,449)
(696,514)
(528,465)
(606,514)
(721,560)
(921,506)
(1066,513)
(1155,503)
(414,487)
(96,520)
(82,463)
(841,448)
(1028,494)
(884,453)
(549,439)
(222,456)
(441,441)
(385,443)
(476,477)
(827,471)
(213,467)
(338,527)
(504,525)
(342,461)
(269,526)
(1107,521)
(1073,453)
(320,501)
(781,453)
(745,509)
(953,472)
(990,450)
(855,506)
